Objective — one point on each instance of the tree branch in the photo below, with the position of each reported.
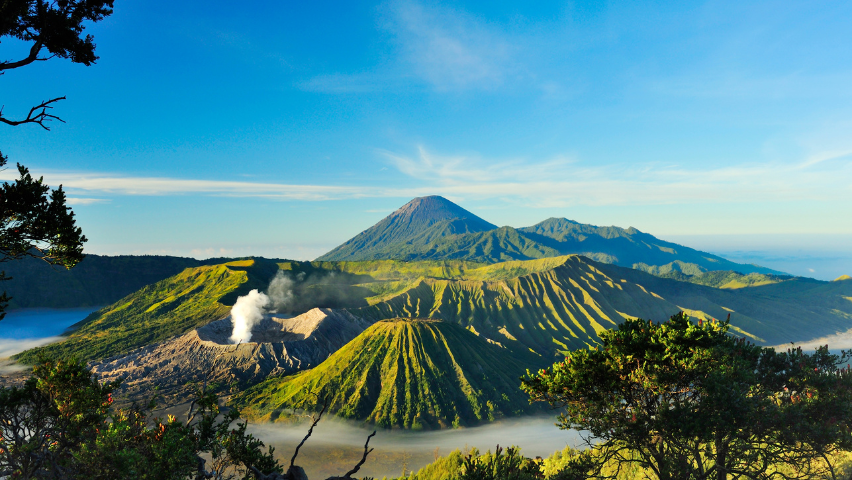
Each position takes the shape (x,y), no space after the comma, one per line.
(32,57)
(36,116)
(310,430)
(363,459)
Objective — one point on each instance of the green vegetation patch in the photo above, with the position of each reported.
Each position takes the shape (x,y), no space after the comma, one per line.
(721,278)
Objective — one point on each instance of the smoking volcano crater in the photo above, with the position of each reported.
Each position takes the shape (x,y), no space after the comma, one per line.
(278,346)
(272,328)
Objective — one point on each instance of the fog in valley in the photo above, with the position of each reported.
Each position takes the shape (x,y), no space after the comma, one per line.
(29,328)
(336,445)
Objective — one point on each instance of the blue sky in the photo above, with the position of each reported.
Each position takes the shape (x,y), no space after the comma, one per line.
(283,129)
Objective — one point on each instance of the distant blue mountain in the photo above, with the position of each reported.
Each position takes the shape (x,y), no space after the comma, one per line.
(434,228)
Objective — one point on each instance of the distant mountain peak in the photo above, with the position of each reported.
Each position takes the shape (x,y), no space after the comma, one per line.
(434,228)
(433,209)
(420,221)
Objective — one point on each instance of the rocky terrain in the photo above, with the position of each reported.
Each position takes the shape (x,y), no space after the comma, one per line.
(280,346)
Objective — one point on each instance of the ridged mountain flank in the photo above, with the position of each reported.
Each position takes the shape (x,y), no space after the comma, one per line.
(433,228)
(418,222)
(559,304)
(404,373)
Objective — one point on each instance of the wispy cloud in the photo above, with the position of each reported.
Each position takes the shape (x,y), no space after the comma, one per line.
(438,47)
(352,83)
(449,48)
(554,182)
(564,182)
(105,183)
(86,201)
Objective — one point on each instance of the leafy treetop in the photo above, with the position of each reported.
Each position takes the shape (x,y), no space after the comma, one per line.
(686,400)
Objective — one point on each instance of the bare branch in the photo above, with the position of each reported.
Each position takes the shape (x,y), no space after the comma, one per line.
(37,114)
(310,430)
(32,57)
(363,459)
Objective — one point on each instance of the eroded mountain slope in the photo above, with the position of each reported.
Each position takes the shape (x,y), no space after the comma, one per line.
(279,346)
(406,373)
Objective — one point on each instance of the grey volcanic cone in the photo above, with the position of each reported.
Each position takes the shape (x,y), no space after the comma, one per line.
(418,222)
(279,346)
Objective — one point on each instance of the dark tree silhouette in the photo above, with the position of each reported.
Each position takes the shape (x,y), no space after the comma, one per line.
(35,220)
(53,29)
(685,400)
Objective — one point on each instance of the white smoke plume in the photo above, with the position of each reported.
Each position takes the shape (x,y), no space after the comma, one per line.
(246,313)
(280,291)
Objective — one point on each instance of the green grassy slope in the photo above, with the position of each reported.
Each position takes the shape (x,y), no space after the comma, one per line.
(404,373)
(725,278)
(97,280)
(777,313)
(381,270)
(557,304)
(159,311)
(547,305)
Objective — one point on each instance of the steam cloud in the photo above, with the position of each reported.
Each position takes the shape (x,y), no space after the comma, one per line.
(246,313)
(249,309)
(280,291)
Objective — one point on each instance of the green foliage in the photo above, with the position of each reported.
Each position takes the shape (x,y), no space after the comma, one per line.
(61,425)
(443,468)
(685,400)
(35,222)
(410,374)
(499,466)
(56,27)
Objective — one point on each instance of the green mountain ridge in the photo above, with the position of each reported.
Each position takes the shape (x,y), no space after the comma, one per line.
(553,305)
(404,373)
(548,305)
(421,231)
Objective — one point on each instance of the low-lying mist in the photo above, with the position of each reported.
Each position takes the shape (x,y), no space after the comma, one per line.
(336,445)
(30,328)
(836,343)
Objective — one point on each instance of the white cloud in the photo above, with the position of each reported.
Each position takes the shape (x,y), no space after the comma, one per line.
(85,201)
(555,182)
(106,183)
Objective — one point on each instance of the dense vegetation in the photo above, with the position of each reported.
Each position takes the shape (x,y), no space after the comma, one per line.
(433,228)
(685,400)
(404,373)
(61,425)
